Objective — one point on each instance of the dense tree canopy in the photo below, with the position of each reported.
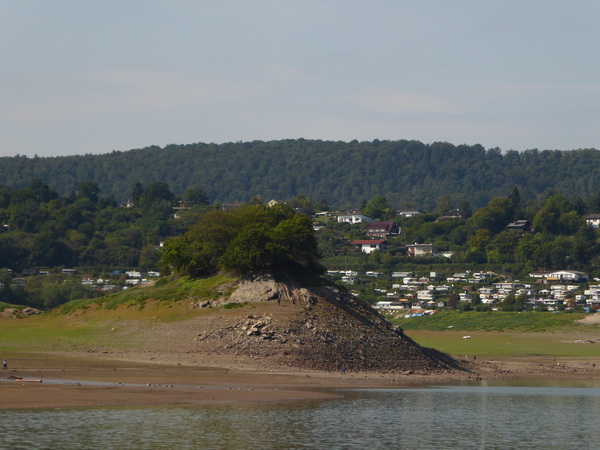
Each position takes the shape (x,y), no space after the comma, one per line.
(40,229)
(249,239)
(433,176)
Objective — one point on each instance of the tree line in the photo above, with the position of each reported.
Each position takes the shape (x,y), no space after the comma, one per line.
(341,174)
(40,228)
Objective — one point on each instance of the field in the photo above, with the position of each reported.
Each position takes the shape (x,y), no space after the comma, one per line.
(507,334)
(492,321)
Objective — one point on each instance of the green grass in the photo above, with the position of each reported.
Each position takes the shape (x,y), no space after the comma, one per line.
(173,291)
(102,322)
(234,305)
(4,305)
(499,334)
(509,344)
(47,333)
(491,321)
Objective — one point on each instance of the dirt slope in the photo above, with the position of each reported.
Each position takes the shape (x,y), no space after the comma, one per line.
(284,324)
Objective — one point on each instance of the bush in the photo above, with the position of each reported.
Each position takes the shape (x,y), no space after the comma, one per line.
(483,308)
(465,306)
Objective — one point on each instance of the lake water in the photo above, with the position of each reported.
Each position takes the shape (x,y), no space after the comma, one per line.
(445,417)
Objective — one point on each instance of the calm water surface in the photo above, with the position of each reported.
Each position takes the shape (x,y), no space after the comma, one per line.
(494,417)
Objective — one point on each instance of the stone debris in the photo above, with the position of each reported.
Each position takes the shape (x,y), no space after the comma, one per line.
(317,328)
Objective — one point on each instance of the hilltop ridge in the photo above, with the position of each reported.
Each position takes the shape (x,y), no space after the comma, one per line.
(344,174)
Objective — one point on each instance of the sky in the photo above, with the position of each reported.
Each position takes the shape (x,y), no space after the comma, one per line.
(89,76)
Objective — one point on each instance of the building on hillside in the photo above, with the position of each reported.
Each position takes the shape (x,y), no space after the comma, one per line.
(383,229)
(465,297)
(229,206)
(455,214)
(274,202)
(410,212)
(539,274)
(402,274)
(353,217)
(560,275)
(422,250)
(593,220)
(568,275)
(369,245)
(520,226)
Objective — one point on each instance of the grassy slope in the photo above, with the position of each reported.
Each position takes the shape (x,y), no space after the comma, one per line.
(99,323)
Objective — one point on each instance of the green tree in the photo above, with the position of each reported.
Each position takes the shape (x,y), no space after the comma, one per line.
(195,196)
(557,216)
(249,239)
(250,250)
(377,208)
(453,301)
(495,216)
(136,193)
(303,204)
(476,247)
(89,190)
(156,192)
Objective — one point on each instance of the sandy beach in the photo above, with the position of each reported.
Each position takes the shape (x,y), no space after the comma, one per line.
(78,380)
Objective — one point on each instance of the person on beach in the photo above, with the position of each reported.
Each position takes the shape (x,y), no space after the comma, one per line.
(4,365)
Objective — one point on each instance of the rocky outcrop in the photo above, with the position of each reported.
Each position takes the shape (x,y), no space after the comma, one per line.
(321,328)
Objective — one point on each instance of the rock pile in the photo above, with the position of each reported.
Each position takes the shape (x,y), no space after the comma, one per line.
(320,328)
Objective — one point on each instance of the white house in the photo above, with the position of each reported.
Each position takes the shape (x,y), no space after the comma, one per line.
(369,245)
(568,275)
(422,250)
(593,294)
(390,306)
(593,220)
(402,274)
(410,212)
(353,218)
(465,297)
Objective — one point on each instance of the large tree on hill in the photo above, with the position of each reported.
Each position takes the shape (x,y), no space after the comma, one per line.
(252,238)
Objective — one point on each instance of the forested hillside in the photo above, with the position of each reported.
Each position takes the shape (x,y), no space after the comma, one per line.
(407,173)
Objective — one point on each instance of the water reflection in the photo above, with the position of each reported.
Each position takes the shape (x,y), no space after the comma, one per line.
(437,417)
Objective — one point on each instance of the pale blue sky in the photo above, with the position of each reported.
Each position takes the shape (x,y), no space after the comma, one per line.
(92,76)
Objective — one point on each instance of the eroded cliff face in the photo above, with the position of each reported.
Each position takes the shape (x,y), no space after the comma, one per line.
(320,328)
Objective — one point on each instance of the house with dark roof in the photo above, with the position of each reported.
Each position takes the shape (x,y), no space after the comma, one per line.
(455,214)
(521,226)
(382,229)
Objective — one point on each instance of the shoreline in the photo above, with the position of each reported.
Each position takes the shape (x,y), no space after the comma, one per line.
(71,380)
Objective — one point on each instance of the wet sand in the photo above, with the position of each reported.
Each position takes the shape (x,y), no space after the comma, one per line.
(74,380)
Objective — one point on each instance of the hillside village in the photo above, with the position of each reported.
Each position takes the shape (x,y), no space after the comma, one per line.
(506,255)
(408,293)
(415,294)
